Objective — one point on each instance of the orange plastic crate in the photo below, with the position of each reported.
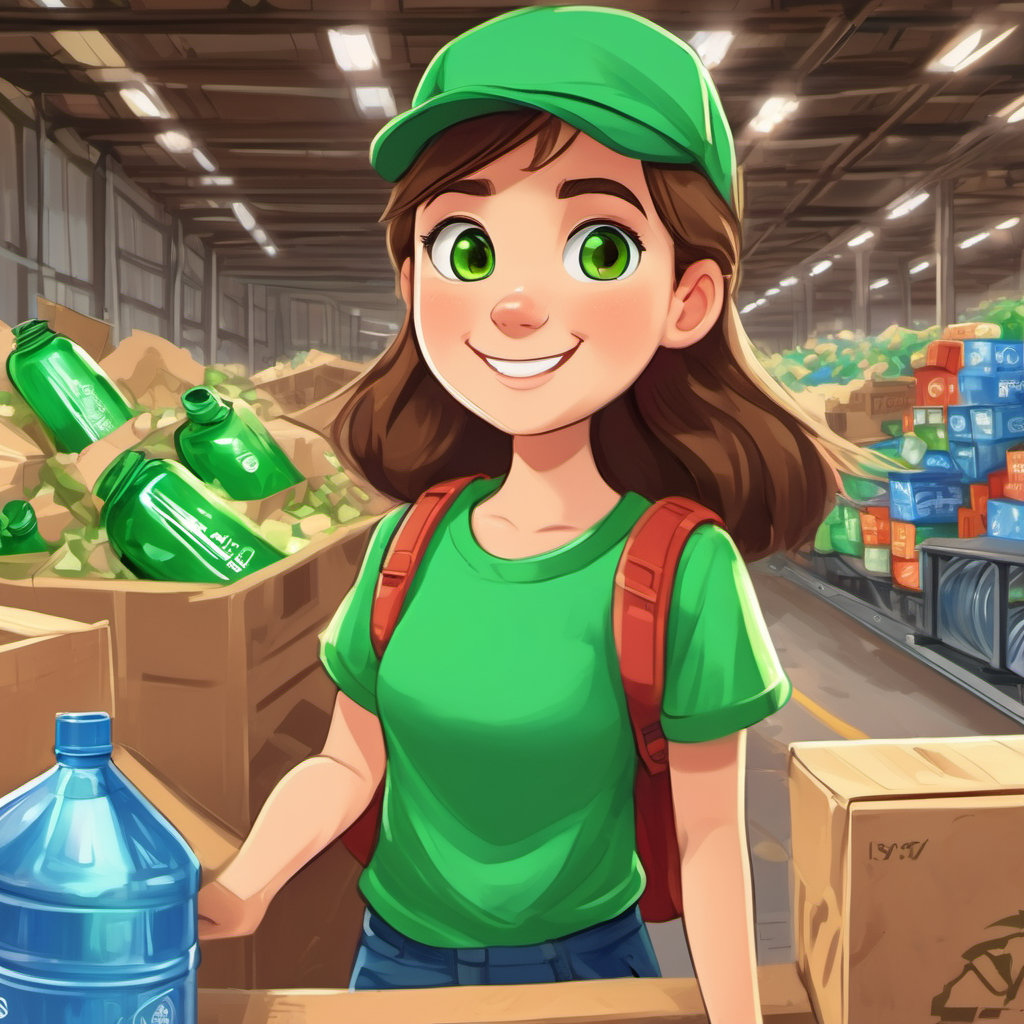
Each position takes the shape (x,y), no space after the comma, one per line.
(902,539)
(970,523)
(979,497)
(906,572)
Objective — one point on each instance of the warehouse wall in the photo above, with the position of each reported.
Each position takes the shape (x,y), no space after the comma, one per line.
(76,230)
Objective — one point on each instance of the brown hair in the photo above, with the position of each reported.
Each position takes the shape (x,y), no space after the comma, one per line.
(706,422)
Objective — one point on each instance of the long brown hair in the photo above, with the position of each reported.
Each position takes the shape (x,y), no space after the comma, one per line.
(705,422)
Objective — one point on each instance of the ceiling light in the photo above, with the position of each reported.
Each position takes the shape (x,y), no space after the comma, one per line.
(973,240)
(820,268)
(352,48)
(902,209)
(772,112)
(712,47)
(860,239)
(967,49)
(1007,224)
(880,283)
(748,307)
(270,250)
(51,3)
(143,101)
(918,267)
(375,100)
(1013,112)
(260,236)
(216,179)
(175,142)
(985,49)
(203,160)
(788,282)
(772,291)
(244,215)
(760,302)
(90,48)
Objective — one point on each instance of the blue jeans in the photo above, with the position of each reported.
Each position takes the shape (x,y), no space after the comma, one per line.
(619,948)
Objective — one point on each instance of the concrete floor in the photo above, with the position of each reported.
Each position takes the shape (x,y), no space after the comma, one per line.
(848,683)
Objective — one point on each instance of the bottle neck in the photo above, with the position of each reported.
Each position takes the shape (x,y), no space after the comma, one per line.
(82,760)
(32,334)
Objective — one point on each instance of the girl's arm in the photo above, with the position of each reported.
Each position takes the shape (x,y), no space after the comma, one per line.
(309,808)
(708,800)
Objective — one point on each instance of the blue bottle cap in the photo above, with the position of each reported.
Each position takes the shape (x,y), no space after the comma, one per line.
(83,733)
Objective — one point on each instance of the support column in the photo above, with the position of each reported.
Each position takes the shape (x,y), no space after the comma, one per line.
(176,281)
(211,286)
(98,240)
(944,286)
(250,332)
(906,293)
(809,327)
(861,262)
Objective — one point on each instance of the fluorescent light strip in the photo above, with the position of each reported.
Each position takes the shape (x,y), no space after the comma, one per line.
(352,48)
(244,215)
(712,47)
(788,282)
(374,100)
(1007,224)
(902,209)
(985,49)
(143,102)
(772,113)
(203,160)
(773,291)
(973,240)
(820,268)
(175,142)
(860,239)
(918,267)
(880,283)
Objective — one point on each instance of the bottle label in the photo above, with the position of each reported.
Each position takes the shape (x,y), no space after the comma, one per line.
(159,1010)
(93,408)
(237,556)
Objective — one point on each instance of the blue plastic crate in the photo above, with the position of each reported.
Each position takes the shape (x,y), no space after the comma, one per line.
(1005,519)
(926,496)
(979,459)
(990,388)
(996,422)
(939,459)
(993,355)
(958,423)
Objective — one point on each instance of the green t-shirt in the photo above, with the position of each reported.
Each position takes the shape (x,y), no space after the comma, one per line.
(508,805)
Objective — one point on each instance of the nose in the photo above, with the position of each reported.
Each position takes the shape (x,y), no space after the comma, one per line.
(518,314)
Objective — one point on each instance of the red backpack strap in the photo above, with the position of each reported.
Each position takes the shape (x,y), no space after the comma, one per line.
(404,554)
(643,595)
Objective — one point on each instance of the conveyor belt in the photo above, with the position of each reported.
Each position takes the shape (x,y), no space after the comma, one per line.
(896,614)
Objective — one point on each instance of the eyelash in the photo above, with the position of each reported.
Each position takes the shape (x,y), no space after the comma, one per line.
(431,236)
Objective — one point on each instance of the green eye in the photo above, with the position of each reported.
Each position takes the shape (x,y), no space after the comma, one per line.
(600,252)
(462,252)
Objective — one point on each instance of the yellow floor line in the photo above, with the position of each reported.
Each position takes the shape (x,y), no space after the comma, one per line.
(836,724)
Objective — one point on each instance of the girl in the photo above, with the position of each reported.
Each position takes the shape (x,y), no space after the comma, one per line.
(566,250)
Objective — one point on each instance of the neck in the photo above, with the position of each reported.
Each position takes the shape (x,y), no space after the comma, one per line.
(554,481)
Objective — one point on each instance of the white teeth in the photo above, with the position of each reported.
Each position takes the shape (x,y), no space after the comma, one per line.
(523,367)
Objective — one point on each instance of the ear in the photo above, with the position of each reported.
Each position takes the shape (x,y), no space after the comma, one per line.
(405,282)
(696,304)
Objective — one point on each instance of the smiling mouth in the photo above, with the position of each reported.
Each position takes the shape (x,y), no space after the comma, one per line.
(527,367)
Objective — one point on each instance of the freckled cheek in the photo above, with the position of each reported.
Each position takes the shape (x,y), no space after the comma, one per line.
(618,308)
(448,314)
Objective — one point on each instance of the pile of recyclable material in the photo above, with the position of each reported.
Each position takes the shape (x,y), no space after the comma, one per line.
(845,358)
(65,418)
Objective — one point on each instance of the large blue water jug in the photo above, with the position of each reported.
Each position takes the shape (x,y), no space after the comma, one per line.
(97,895)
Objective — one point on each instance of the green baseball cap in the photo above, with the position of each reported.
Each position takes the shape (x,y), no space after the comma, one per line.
(627,83)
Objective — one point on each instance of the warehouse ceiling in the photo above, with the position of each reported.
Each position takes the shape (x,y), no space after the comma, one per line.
(255,86)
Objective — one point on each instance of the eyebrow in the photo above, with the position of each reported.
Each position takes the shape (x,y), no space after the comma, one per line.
(601,186)
(566,190)
(467,187)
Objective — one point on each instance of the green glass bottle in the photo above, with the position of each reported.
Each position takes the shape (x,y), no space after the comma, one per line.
(64,386)
(19,531)
(166,524)
(227,443)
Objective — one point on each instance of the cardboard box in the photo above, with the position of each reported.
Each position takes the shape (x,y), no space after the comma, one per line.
(308,384)
(619,1000)
(907,862)
(219,687)
(85,331)
(47,665)
(860,416)
(976,329)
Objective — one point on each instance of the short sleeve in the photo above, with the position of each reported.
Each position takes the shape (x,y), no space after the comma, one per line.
(722,673)
(345,648)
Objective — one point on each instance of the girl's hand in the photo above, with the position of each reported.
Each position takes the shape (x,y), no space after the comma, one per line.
(225,915)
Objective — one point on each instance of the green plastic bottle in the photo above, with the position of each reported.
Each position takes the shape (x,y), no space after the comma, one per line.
(64,386)
(165,524)
(224,443)
(19,531)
